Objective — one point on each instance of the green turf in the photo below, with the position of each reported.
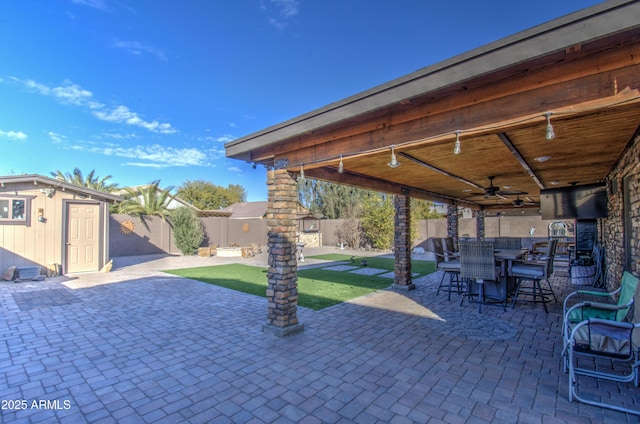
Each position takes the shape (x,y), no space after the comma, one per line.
(317,288)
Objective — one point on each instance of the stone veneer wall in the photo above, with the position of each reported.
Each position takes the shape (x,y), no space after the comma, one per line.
(282,279)
(402,242)
(452,223)
(613,226)
(480,233)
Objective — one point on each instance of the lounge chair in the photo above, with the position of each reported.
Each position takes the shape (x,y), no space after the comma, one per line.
(594,332)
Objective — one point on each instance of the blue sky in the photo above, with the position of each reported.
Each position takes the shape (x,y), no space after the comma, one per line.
(152,89)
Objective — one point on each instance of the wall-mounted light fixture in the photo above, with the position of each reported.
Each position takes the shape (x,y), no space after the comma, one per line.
(49,192)
(41,217)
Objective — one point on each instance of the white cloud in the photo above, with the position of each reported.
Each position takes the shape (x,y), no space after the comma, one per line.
(122,115)
(154,155)
(138,48)
(285,10)
(13,135)
(67,93)
(96,4)
(144,165)
(73,94)
(55,137)
(225,138)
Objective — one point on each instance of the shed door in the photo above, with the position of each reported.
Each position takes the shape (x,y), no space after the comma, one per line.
(82,237)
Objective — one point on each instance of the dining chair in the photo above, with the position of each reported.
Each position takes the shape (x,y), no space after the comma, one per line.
(450,268)
(478,265)
(449,247)
(507,243)
(534,273)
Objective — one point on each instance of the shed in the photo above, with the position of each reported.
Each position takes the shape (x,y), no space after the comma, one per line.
(53,224)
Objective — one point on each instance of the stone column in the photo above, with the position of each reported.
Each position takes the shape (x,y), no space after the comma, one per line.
(480,225)
(452,223)
(282,287)
(402,243)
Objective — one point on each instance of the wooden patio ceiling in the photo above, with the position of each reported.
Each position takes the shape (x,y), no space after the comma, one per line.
(582,71)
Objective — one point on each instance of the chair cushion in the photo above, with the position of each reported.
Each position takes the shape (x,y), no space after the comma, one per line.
(527,270)
(450,266)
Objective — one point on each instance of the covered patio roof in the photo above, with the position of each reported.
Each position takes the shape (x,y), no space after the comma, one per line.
(580,72)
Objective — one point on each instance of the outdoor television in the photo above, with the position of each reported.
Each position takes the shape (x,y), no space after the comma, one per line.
(575,202)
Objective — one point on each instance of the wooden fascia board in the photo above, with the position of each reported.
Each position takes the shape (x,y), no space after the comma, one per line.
(563,72)
(499,114)
(596,22)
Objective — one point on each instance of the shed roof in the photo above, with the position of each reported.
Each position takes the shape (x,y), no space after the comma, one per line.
(46,182)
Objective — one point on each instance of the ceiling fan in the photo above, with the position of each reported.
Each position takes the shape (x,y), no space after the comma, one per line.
(518,202)
(494,191)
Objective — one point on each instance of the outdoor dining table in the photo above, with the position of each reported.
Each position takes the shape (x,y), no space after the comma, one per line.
(499,292)
(506,257)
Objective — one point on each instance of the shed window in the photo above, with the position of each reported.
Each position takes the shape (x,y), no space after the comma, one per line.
(13,210)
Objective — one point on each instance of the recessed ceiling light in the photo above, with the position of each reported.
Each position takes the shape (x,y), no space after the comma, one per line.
(507,187)
(466,190)
(542,158)
(554,182)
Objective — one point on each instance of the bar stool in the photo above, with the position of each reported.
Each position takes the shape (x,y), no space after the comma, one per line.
(449,267)
(534,273)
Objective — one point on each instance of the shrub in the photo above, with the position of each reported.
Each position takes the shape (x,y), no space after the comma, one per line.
(188,231)
(377,221)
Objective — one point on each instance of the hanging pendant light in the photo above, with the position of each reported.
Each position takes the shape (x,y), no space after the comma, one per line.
(394,161)
(550,135)
(457,149)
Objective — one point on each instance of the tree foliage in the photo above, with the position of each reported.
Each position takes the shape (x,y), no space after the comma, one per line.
(377,220)
(423,209)
(147,200)
(205,195)
(188,231)
(331,201)
(91,180)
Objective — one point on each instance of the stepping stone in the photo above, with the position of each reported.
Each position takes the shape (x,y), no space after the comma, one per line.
(368,271)
(340,268)
(393,275)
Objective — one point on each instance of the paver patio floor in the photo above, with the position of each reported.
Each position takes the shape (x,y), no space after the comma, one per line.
(139,346)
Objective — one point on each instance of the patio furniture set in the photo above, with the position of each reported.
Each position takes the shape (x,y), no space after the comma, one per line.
(599,328)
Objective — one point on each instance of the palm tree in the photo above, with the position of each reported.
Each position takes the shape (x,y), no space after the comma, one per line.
(91,181)
(147,200)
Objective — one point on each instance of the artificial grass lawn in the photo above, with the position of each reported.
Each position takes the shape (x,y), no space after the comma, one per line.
(317,288)
(421,267)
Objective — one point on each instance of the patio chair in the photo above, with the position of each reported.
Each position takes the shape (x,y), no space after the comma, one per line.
(449,247)
(450,268)
(600,345)
(534,273)
(507,243)
(478,264)
(541,260)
